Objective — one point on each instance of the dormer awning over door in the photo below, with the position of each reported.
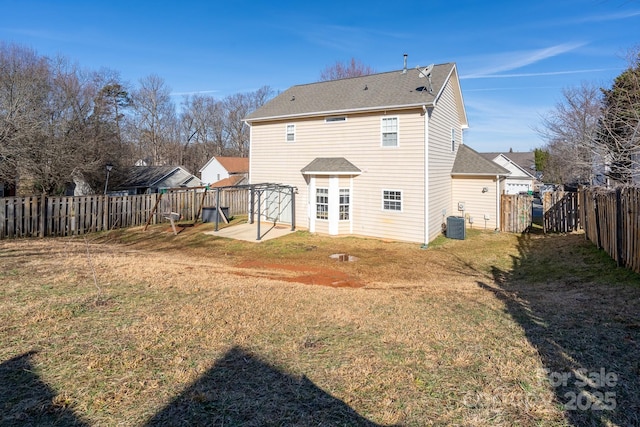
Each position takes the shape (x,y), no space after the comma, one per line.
(330,166)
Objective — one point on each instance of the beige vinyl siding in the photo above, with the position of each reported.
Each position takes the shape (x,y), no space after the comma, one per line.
(477,203)
(358,139)
(444,117)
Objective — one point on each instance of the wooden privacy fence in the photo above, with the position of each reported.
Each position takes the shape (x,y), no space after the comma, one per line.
(515,214)
(560,211)
(611,220)
(41,216)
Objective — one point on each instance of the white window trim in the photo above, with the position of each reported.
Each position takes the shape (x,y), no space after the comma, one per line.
(382,119)
(287,133)
(315,212)
(348,204)
(401,200)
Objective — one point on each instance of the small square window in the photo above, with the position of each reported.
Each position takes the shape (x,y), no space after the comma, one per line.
(392,200)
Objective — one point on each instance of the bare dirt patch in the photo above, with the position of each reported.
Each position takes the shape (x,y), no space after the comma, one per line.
(302,274)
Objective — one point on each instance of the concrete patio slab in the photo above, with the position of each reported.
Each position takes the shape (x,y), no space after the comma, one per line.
(249,232)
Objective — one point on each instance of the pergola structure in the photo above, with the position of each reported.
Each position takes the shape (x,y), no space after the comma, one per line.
(256,198)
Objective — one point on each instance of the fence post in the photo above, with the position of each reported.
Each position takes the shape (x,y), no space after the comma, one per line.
(105,213)
(42,213)
(619,227)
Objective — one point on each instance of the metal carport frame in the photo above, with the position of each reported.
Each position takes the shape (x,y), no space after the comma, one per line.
(259,189)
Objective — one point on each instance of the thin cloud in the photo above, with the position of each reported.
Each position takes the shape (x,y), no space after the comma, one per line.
(195,92)
(550,73)
(605,18)
(514,60)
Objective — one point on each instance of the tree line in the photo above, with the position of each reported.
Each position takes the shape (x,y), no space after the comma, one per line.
(592,136)
(60,123)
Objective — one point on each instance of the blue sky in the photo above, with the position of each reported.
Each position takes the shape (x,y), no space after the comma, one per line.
(514,57)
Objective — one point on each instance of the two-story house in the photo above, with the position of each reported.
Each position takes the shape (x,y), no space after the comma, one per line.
(369,156)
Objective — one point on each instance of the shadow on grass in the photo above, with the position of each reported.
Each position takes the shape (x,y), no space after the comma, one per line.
(241,389)
(26,400)
(582,314)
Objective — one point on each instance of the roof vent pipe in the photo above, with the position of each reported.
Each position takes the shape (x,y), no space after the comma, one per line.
(404,69)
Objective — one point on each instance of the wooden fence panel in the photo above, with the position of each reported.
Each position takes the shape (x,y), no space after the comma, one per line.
(66,216)
(561,212)
(237,200)
(20,217)
(611,220)
(516,213)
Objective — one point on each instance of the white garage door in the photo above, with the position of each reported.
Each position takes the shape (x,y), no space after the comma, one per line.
(516,187)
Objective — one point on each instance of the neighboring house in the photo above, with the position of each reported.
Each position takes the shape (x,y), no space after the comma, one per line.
(225,171)
(522,166)
(370,156)
(152,179)
(477,185)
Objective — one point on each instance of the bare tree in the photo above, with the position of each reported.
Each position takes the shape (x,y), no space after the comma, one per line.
(202,130)
(237,107)
(340,70)
(60,123)
(155,120)
(24,87)
(570,133)
(55,127)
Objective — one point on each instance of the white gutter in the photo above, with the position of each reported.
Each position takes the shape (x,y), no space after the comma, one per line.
(497,202)
(334,112)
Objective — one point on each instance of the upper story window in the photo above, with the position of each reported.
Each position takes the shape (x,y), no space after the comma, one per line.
(392,200)
(453,140)
(389,131)
(291,133)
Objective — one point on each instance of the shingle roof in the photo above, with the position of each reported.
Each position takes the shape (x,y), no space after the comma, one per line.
(229,182)
(234,164)
(393,89)
(524,159)
(147,176)
(144,176)
(470,162)
(326,165)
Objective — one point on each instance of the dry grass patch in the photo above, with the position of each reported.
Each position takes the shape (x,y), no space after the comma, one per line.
(196,329)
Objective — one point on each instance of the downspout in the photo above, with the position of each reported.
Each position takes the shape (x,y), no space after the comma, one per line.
(250,150)
(425,245)
(497,203)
